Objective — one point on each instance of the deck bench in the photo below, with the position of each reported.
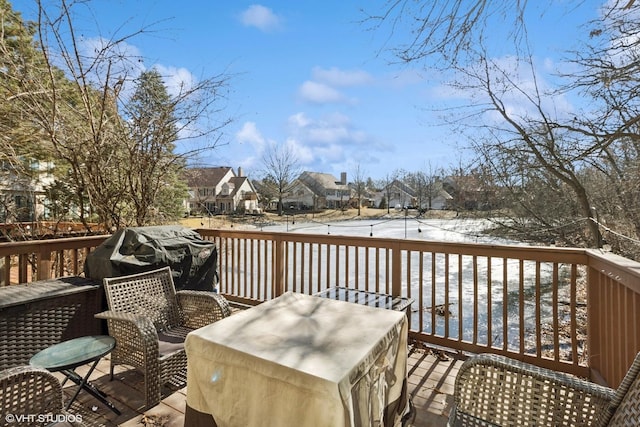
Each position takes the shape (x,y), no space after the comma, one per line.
(36,315)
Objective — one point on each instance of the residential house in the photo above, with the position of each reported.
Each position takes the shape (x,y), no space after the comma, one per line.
(299,197)
(439,201)
(266,193)
(325,192)
(238,195)
(366,198)
(22,197)
(215,190)
(403,195)
(469,192)
(397,193)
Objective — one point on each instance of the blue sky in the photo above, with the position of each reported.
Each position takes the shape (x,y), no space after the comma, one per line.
(308,74)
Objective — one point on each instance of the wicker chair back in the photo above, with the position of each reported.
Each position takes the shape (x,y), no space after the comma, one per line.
(150,294)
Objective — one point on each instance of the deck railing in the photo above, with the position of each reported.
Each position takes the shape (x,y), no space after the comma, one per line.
(571,310)
(567,309)
(26,261)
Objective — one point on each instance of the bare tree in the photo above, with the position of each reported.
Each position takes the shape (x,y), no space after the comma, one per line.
(533,138)
(425,184)
(359,184)
(281,168)
(386,185)
(513,123)
(451,30)
(446,30)
(84,112)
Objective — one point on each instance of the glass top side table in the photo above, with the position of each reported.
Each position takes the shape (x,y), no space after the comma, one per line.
(66,356)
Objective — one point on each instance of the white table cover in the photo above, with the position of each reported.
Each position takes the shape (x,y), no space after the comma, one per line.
(300,360)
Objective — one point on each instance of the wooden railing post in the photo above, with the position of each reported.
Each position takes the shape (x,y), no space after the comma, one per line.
(396,270)
(43,264)
(23,261)
(279,263)
(593,325)
(6,271)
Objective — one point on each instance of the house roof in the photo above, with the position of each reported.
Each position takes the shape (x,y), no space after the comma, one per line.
(297,184)
(325,180)
(206,177)
(399,185)
(443,194)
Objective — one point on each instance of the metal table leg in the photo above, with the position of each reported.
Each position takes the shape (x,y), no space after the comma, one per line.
(83,383)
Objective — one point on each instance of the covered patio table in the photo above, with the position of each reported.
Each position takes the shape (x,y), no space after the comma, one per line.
(299,360)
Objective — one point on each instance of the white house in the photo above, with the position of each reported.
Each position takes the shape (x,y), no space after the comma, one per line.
(23,198)
(328,192)
(219,190)
(396,193)
(300,196)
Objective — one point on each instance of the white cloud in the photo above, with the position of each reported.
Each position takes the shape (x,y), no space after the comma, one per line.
(177,80)
(323,88)
(124,62)
(320,93)
(303,153)
(250,134)
(331,129)
(260,17)
(299,120)
(250,163)
(329,143)
(331,153)
(336,77)
(549,65)
(123,56)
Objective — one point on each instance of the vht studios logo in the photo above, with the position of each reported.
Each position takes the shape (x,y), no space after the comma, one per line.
(42,418)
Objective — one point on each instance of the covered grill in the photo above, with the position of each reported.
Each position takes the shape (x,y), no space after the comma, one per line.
(193,260)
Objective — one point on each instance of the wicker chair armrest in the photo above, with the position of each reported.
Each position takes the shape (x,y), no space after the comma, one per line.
(134,324)
(498,390)
(201,308)
(141,321)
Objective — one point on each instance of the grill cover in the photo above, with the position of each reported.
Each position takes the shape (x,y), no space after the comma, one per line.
(193,261)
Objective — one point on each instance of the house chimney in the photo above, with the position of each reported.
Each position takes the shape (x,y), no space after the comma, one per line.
(240,171)
(343,178)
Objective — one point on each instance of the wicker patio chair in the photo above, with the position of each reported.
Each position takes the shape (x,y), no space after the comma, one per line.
(493,390)
(30,397)
(150,321)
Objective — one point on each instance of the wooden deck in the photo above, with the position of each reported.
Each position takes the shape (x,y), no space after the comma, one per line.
(431,380)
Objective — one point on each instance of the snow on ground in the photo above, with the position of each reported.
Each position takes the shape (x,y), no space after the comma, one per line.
(447,230)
